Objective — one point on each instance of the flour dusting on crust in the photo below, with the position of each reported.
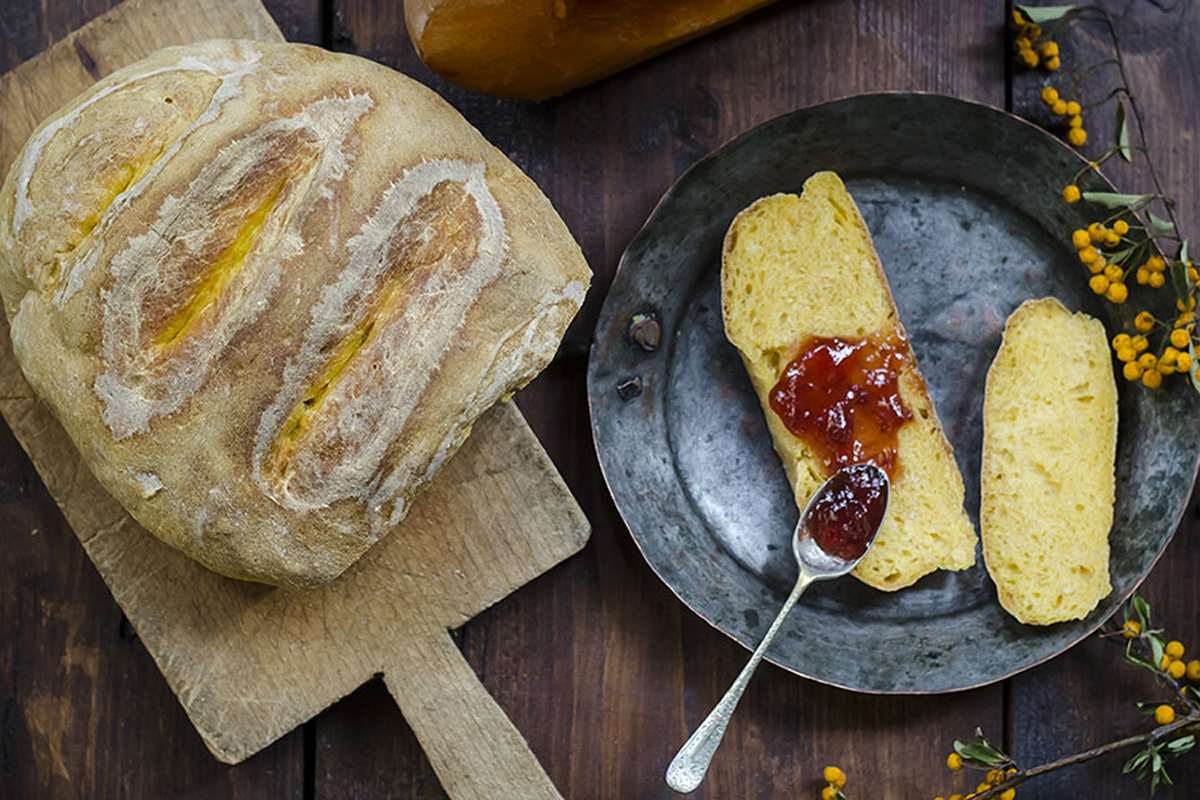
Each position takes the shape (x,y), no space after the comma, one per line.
(142,381)
(373,412)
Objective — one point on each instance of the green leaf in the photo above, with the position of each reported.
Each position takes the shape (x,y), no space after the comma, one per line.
(1179,281)
(1182,745)
(980,753)
(1166,226)
(1143,611)
(1157,645)
(1122,132)
(1160,775)
(1136,660)
(1147,708)
(1141,762)
(1138,760)
(1116,200)
(1119,256)
(1043,14)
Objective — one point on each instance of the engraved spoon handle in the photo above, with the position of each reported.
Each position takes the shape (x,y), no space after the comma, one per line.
(690,764)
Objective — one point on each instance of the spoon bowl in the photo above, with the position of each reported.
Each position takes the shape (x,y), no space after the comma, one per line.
(840,521)
(836,529)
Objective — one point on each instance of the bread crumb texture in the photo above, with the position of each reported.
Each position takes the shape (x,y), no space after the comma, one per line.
(1049,448)
(798,267)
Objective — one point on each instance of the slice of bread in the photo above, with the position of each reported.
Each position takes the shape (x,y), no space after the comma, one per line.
(798,267)
(1049,447)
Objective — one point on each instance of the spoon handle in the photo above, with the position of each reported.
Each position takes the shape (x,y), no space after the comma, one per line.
(690,764)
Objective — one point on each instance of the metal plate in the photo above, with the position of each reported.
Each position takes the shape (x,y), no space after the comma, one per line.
(963,202)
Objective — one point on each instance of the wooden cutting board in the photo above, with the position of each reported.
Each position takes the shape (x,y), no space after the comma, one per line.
(249,662)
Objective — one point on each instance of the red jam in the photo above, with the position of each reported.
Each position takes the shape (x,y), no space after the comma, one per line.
(844,518)
(842,398)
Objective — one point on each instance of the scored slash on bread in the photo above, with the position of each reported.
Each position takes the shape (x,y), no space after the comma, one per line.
(794,268)
(1047,480)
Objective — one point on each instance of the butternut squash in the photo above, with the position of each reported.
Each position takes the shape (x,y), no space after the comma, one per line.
(537,49)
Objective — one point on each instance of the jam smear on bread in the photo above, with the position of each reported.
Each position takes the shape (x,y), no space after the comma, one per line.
(842,397)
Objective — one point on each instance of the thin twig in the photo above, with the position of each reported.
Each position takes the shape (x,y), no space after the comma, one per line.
(1107,19)
(1088,70)
(1184,725)
(1173,684)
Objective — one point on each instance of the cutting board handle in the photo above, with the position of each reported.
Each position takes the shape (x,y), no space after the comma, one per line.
(476,751)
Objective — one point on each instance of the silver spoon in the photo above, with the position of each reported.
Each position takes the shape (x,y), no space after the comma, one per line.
(869,483)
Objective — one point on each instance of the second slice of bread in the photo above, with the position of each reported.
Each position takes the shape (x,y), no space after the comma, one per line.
(798,267)
(1049,445)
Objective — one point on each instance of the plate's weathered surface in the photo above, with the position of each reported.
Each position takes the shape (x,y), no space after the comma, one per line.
(963,202)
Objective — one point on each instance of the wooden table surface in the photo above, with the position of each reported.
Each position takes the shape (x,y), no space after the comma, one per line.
(596,662)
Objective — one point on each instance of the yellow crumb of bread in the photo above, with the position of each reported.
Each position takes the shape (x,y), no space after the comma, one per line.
(1049,446)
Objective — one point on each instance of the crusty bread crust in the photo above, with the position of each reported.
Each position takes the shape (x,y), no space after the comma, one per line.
(797,267)
(267,289)
(1048,473)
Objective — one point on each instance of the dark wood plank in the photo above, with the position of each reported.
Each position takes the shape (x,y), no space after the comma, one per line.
(300,20)
(368,724)
(604,154)
(1086,697)
(27,27)
(86,712)
(597,662)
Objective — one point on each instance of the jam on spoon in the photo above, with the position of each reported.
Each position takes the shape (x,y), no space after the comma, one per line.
(845,514)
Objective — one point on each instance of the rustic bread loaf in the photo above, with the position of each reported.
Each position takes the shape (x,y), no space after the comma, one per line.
(267,289)
(1047,479)
(794,268)
(516,48)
